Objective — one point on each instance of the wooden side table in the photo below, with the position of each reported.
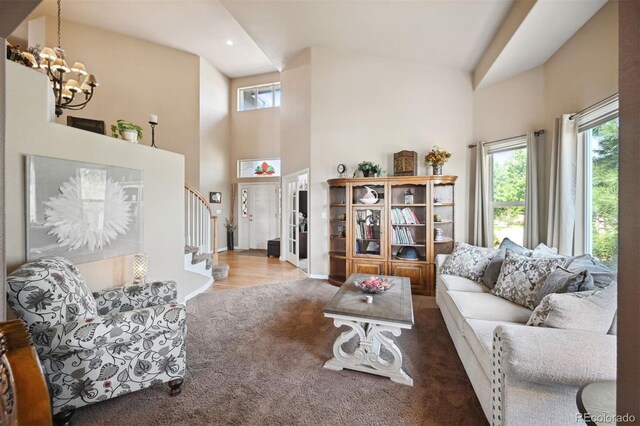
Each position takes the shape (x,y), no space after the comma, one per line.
(597,403)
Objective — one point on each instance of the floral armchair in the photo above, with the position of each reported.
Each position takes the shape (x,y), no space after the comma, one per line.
(96,347)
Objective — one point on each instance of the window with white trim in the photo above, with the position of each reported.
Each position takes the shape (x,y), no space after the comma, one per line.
(508,189)
(598,130)
(259,97)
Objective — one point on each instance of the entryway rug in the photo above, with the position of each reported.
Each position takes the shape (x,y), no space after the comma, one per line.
(252,252)
(255,357)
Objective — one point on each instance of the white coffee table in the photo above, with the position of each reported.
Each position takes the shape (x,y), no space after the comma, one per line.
(390,313)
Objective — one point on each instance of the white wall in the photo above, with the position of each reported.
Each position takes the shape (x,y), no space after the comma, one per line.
(31,130)
(215,147)
(367,108)
(295,115)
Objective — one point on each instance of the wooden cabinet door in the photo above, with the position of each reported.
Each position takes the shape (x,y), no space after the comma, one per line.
(369,267)
(420,274)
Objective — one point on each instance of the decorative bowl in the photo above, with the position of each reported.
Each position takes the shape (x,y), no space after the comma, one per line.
(368,200)
(373,285)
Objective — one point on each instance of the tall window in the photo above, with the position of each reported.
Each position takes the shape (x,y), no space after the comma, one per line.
(508,179)
(599,133)
(258,97)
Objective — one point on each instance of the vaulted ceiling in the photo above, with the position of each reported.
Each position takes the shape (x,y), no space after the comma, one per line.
(494,38)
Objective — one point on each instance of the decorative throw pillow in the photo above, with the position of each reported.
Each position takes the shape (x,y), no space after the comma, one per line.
(564,281)
(468,261)
(521,276)
(601,273)
(543,250)
(507,244)
(492,272)
(592,310)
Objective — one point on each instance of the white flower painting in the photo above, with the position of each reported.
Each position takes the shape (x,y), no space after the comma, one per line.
(82,211)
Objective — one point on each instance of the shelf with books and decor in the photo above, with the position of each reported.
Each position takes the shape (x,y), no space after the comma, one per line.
(338,217)
(390,227)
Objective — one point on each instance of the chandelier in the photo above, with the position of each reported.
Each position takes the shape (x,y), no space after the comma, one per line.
(64,79)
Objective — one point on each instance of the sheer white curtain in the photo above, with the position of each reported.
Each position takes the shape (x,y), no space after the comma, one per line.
(562,185)
(481,215)
(531,220)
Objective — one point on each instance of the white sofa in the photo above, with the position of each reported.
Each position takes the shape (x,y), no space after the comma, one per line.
(522,375)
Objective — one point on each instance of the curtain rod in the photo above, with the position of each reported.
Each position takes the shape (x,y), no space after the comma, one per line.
(605,101)
(537,133)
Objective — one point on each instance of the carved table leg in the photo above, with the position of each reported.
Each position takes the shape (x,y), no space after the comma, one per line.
(63,418)
(175,386)
(366,357)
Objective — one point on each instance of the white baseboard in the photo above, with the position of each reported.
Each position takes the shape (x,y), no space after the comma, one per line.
(318,276)
(221,249)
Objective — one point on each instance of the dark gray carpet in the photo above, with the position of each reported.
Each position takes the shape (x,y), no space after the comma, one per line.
(255,357)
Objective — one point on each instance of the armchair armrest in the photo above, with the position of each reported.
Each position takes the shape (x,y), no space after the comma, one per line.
(124,329)
(123,299)
(555,356)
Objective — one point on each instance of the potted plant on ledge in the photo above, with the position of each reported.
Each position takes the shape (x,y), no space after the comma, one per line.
(369,169)
(126,130)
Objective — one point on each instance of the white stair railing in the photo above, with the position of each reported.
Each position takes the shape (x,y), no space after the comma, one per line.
(201,228)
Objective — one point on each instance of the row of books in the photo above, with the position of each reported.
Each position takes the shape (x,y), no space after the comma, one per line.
(401,236)
(404,216)
(365,231)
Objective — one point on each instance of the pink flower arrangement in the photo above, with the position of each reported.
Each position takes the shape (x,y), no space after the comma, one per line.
(373,285)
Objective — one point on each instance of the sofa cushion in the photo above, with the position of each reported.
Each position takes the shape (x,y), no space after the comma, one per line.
(479,336)
(492,271)
(507,244)
(542,250)
(521,276)
(466,305)
(454,283)
(592,310)
(564,281)
(468,261)
(601,273)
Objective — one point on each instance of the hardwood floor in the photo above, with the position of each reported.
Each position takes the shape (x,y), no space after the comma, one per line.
(250,271)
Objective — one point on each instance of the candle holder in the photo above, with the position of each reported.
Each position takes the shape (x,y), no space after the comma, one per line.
(153,133)
(140,268)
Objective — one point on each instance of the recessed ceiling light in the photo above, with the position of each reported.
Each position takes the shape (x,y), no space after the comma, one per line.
(229,42)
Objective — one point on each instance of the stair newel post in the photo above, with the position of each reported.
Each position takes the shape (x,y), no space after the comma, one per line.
(214,238)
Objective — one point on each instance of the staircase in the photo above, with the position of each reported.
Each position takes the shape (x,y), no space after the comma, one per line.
(201,236)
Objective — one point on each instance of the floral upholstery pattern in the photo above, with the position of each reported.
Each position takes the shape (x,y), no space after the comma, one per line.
(521,278)
(95,347)
(468,261)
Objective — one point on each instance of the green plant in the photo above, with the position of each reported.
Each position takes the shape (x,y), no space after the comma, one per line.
(121,125)
(368,168)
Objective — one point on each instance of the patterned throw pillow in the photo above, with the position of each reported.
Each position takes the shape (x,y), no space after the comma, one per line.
(521,276)
(592,310)
(468,261)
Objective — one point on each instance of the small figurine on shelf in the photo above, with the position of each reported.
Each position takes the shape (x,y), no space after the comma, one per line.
(438,234)
(437,218)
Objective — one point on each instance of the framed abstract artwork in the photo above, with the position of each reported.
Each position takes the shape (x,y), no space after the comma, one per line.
(82,211)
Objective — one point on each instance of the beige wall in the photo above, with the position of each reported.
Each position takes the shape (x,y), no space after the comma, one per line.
(31,130)
(367,108)
(295,114)
(215,147)
(581,73)
(137,78)
(585,69)
(255,133)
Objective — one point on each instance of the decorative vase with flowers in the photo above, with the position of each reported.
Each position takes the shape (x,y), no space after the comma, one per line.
(369,169)
(436,159)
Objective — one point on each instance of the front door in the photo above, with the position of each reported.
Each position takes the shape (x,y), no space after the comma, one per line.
(262,215)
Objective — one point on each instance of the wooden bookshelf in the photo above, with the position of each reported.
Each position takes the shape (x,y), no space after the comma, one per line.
(401,222)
